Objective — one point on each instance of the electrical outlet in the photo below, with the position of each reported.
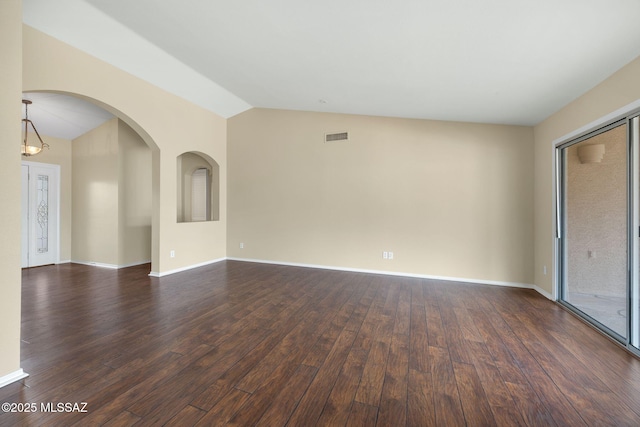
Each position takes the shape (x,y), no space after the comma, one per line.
(385,255)
(390,255)
(241,245)
(172,254)
(544,270)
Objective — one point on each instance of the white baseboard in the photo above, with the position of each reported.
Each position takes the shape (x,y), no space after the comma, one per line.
(544,293)
(13,377)
(66,261)
(189,267)
(110,266)
(360,270)
(394,273)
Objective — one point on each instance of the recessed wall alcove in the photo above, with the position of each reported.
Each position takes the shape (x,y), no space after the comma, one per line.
(198,188)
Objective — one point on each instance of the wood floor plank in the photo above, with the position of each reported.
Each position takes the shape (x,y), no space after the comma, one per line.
(225,409)
(124,419)
(313,401)
(188,416)
(498,394)
(282,406)
(362,415)
(448,406)
(403,311)
(436,335)
(370,388)
(539,396)
(419,342)
(532,409)
(247,343)
(456,343)
(421,409)
(192,380)
(393,400)
(475,405)
(336,409)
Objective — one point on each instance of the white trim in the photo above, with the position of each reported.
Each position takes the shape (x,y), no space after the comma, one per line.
(394,273)
(544,293)
(133,264)
(13,377)
(66,261)
(360,270)
(189,267)
(110,266)
(620,113)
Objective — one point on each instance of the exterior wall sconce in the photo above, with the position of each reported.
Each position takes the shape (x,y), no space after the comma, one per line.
(591,153)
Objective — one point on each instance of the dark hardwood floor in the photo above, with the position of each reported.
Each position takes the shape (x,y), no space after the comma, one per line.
(251,344)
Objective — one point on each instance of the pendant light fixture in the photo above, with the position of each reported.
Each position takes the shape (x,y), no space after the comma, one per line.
(29,149)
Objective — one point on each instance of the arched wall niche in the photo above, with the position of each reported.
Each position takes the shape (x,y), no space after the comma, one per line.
(198,188)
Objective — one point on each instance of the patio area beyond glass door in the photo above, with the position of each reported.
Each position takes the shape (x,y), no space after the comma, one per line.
(595,230)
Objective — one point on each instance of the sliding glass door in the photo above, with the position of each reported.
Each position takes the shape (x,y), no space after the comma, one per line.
(599,228)
(634,234)
(595,228)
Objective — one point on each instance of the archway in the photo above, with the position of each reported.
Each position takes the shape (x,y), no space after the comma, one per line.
(129,229)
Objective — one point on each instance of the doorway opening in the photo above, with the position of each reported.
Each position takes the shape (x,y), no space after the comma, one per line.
(106,181)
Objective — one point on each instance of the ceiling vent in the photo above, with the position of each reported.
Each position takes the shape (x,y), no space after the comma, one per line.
(340,136)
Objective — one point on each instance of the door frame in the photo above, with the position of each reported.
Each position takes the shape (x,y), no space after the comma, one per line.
(56,193)
(624,113)
(562,224)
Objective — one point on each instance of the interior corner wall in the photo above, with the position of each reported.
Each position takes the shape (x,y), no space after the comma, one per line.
(111,196)
(449,199)
(620,89)
(134,197)
(168,124)
(95,195)
(59,153)
(10,115)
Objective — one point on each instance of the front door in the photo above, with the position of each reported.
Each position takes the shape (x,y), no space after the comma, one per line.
(40,193)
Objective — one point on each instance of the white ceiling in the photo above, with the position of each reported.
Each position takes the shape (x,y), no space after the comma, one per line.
(62,116)
(492,61)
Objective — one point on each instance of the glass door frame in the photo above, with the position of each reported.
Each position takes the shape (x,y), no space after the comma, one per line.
(630,117)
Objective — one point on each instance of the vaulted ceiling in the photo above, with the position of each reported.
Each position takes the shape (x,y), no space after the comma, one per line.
(490,61)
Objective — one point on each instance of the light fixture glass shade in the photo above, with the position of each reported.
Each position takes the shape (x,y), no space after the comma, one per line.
(27,148)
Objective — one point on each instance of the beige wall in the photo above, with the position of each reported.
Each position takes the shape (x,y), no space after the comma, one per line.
(59,153)
(167,123)
(95,195)
(111,196)
(448,199)
(134,197)
(10,114)
(621,89)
